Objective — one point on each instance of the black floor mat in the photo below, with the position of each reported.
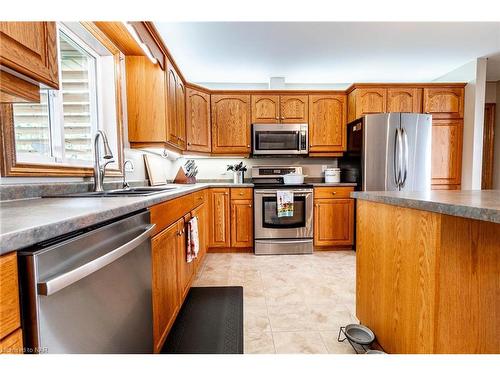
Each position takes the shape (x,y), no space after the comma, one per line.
(210,322)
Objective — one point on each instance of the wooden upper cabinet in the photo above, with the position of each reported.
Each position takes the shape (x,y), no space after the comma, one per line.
(231,124)
(294,108)
(446,168)
(146,105)
(219,218)
(265,109)
(364,101)
(444,102)
(198,128)
(176,108)
(327,123)
(404,100)
(30,48)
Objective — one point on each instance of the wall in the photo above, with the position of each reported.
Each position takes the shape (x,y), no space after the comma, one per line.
(474,73)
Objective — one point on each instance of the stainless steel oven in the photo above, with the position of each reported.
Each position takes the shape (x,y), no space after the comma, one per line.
(281,235)
(280,139)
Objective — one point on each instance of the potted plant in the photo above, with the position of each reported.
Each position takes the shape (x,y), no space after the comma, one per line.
(238,172)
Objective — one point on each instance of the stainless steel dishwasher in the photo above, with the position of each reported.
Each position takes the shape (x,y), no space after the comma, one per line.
(90,291)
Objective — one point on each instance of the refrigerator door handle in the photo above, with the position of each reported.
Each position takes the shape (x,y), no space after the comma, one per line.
(405,155)
(397,157)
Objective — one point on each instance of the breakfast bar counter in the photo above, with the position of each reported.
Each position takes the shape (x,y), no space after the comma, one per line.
(427,270)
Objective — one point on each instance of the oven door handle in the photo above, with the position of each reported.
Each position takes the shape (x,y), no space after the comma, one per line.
(273,192)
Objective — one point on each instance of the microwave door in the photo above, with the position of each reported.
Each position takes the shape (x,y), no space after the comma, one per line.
(276,142)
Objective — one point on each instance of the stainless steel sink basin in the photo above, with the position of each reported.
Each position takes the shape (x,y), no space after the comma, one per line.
(131,192)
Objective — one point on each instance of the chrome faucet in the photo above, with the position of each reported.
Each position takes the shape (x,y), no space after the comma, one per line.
(100,170)
(125,184)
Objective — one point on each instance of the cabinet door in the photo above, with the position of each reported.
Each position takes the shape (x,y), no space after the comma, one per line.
(265,109)
(9,295)
(219,218)
(333,222)
(146,105)
(180,102)
(185,270)
(294,108)
(370,101)
(231,124)
(164,251)
(198,130)
(172,137)
(404,100)
(446,152)
(444,102)
(327,123)
(201,213)
(30,48)
(241,223)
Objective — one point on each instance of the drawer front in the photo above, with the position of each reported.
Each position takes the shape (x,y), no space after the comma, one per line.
(241,193)
(9,295)
(332,192)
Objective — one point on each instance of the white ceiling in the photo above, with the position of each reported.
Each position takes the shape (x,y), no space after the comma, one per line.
(325,52)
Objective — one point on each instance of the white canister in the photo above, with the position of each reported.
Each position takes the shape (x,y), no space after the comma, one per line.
(332,175)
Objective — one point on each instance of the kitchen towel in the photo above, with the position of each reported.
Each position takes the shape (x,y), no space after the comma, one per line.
(284,200)
(193,240)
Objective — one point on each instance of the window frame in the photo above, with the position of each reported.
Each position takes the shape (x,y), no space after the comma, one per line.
(11,167)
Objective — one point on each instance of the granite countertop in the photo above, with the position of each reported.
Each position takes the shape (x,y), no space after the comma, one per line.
(472,204)
(26,222)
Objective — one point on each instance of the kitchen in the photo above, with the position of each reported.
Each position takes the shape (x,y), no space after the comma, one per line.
(210,216)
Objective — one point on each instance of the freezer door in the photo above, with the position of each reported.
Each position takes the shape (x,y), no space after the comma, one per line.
(378,161)
(417,139)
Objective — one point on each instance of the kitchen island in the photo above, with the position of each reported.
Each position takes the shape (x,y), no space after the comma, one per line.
(428,270)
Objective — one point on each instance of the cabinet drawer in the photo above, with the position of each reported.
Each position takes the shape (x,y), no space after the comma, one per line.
(9,295)
(332,192)
(241,193)
(12,344)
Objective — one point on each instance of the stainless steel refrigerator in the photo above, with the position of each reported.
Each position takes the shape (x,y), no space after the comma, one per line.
(390,151)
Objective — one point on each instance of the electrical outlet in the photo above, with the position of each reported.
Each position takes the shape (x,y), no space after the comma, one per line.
(323,168)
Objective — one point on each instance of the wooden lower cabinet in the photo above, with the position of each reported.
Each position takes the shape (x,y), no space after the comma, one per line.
(10,317)
(219,218)
(333,222)
(202,214)
(241,223)
(166,292)
(185,270)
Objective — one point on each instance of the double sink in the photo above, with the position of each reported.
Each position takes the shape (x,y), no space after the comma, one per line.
(129,192)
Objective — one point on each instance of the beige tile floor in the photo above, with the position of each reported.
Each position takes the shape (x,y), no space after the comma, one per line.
(292,303)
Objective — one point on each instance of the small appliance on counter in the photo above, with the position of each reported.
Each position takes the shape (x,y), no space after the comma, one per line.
(283,214)
(332,175)
(187,173)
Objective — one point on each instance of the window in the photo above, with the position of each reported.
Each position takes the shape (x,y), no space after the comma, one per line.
(60,129)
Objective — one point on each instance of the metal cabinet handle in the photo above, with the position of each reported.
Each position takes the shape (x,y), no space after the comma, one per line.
(334,192)
(59,282)
(249,205)
(248,146)
(277,118)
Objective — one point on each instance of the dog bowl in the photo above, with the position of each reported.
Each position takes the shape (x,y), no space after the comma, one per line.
(359,334)
(372,351)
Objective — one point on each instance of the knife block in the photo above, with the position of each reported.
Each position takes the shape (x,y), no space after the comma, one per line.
(181,178)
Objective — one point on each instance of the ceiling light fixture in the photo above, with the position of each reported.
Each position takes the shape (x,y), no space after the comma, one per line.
(141,44)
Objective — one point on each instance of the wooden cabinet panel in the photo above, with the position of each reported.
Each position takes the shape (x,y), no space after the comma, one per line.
(404,100)
(241,193)
(265,109)
(444,102)
(176,109)
(446,153)
(165,251)
(30,48)
(202,214)
(16,90)
(327,123)
(333,192)
(294,108)
(198,127)
(231,124)
(12,344)
(219,218)
(370,101)
(9,295)
(241,223)
(146,105)
(185,270)
(333,222)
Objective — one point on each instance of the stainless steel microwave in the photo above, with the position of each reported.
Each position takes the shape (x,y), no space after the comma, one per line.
(280,139)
